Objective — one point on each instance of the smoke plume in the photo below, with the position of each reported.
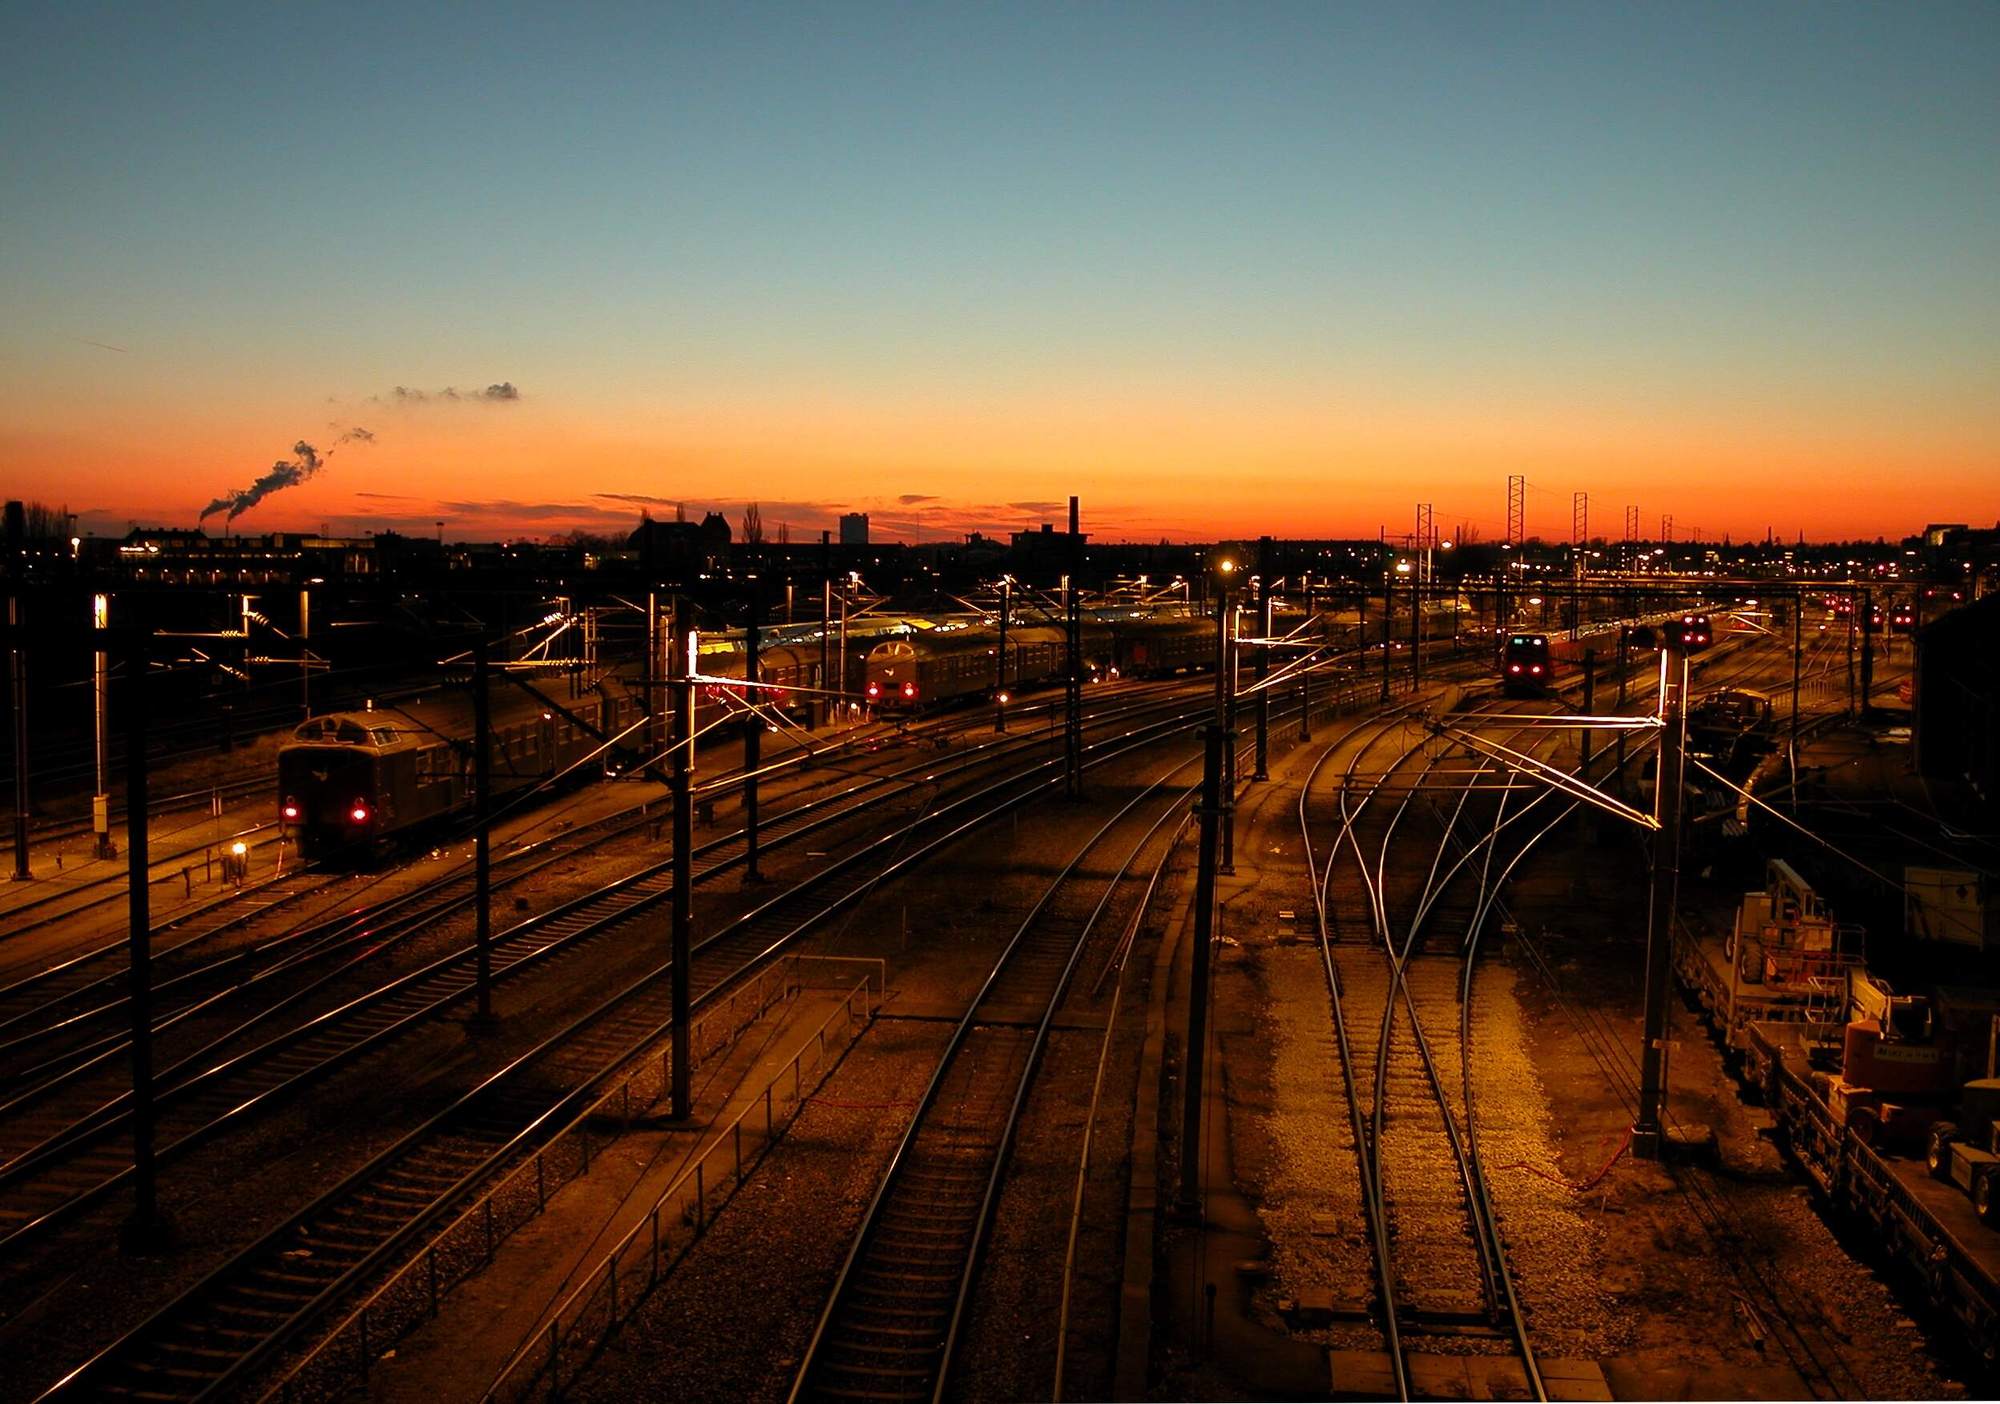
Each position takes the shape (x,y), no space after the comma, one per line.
(502,393)
(286,472)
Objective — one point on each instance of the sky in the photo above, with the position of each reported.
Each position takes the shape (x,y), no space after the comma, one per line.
(1221,270)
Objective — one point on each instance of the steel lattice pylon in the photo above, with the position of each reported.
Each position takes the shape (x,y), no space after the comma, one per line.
(1517,508)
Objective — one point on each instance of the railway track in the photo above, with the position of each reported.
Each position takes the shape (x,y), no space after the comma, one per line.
(1443,1278)
(180,803)
(220,1331)
(66,1163)
(893,1317)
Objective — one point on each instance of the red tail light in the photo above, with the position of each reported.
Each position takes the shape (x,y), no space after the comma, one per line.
(1535,668)
(359,814)
(290,811)
(1513,667)
(909,689)
(874,691)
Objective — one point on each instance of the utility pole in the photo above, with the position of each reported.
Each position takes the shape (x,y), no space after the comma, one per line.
(1416,625)
(1073,679)
(482,866)
(1209,814)
(1388,613)
(825,621)
(1579,534)
(682,953)
(1305,673)
(1648,1131)
(1798,650)
(147,1231)
(1263,659)
(1618,743)
(1583,744)
(1420,561)
(100,689)
(1225,614)
(17,654)
(840,663)
(1000,698)
(1853,609)
(753,734)
(1867,614)
(655,696)
(305,655)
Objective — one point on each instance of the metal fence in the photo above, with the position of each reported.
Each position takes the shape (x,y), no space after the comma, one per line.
(340,1362)
(558,1351)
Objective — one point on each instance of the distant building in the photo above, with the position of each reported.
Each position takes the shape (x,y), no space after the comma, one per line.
(854,528)
(681,549)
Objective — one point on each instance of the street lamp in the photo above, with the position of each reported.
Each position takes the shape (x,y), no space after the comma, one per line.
(1211,813)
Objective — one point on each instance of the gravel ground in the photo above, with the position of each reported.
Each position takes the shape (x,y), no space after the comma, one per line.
(1555,1245)
(1310,1199)
(735,1318)
(73,1293)
(1695,1262)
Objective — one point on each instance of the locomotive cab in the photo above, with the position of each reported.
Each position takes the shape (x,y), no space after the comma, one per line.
(1526,667)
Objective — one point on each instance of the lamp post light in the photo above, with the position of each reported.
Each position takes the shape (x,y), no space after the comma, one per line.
(1409,570)
(1000,659)
(100,680)
(1211,813)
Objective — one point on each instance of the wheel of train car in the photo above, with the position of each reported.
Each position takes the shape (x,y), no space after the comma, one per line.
(1937,1149)
(1986,1200)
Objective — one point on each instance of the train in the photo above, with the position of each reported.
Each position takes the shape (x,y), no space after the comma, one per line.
(917,671)
(352,783)
(355,783)
(1527,666)
(1695,631)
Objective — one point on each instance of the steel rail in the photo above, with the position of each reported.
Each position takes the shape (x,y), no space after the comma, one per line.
(369,1020)
(929,1351)
(743,945)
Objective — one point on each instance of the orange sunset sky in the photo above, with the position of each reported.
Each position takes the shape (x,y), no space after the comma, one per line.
(1220,271)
